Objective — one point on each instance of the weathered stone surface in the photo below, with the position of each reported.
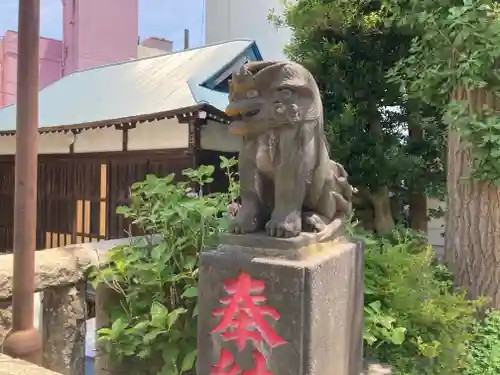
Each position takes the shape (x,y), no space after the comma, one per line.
(301,245)
(5,322)
(64,329)
(377,369)
(61,266)
(10,366)
(54,267)
(319,298)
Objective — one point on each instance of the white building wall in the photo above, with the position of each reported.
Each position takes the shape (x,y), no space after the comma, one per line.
(56,143)
(155,135)
(163,134)
(243,19)
(216,137)
(98,140)
(435,226)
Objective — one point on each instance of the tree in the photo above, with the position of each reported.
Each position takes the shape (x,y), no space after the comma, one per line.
(348,48)
(453,64)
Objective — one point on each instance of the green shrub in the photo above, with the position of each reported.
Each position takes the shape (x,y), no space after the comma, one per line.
(413,320)
(485,347)
(154,315)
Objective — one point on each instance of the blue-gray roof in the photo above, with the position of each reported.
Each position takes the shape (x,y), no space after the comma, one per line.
(131,89)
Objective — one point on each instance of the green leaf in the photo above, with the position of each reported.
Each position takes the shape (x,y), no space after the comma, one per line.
(123,210)
(151,336)
(157,252)
(141,326)
(144,353)
(398,335)
(151,179)
(386,321)
(376,306)
(224,162)
(168,369)
(369,291)
(188,361)
(104,332)
(170,353)
(104,339)
(370,339)
(117,328)
(159,315)
(190,292)
(173,316)
(190,262)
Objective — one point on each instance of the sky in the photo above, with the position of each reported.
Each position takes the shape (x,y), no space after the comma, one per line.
(159,18)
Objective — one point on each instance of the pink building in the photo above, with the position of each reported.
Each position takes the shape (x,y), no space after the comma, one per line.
(94,33)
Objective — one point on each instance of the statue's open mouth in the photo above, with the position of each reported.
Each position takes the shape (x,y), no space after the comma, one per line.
(239,125)
(252,113)
(242,116)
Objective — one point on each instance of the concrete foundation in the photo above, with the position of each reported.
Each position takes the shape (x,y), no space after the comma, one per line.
(314,294)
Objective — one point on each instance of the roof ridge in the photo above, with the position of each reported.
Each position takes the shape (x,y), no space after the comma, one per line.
(162,55)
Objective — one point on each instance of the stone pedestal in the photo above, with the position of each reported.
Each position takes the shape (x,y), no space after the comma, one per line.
(312,322)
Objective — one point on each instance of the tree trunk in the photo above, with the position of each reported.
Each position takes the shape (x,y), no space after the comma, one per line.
(417,200)
(472,236)
(382,214)
(418,212)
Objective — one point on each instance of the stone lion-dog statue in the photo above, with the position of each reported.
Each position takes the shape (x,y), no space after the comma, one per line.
(288,183)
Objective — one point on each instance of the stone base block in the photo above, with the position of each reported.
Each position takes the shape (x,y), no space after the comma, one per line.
(313,315)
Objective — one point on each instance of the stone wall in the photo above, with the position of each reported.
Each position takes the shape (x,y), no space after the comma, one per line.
(9,366)
(60,276)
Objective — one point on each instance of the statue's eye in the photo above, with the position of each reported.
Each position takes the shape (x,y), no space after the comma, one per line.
(285,93)
(252,93)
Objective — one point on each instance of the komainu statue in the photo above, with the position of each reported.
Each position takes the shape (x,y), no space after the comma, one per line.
(288,183)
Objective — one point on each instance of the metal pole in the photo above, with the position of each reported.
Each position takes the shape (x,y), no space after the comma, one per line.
(24,340)
(186,38)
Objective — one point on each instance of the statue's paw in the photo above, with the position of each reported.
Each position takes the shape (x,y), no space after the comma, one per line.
(242,224)
(288,227)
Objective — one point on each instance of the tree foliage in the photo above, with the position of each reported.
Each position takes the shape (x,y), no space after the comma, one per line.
(456,48)
(349,48)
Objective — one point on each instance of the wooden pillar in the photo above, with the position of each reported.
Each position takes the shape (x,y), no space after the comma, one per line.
(24,340)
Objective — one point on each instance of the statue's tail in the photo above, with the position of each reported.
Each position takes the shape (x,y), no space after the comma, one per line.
(343,193)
